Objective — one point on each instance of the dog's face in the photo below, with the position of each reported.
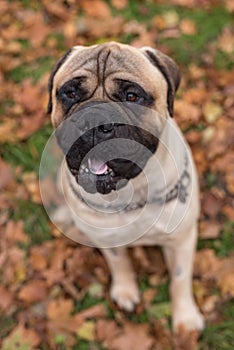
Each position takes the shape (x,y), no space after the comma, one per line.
(104,93)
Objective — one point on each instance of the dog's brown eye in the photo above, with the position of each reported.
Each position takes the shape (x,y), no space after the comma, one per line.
(132,97)
(70,93)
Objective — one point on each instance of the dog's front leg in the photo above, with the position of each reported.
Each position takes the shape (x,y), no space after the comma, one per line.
(179,259)
(124,290)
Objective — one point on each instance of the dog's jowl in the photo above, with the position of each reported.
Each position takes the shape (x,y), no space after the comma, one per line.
(128,175)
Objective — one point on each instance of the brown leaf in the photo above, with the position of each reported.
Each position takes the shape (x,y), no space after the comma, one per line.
(184,340)
(212,111)
(31,183)
(98,8)
(39,257)
(14,232)
(187,113)
(6,175)
(162,335)
(211,205)
(206,263)
(6,298)
(134,336)
(59,310)
(195,95)
(188,27)
(33,291)
(119,4)
(38,30)
(209,229)
(223,138)
(106,331)
(93,312)
(28,96)
(22,338)
(225,277)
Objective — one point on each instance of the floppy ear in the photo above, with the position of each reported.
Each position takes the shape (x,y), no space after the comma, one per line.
(51,79)
(170,71)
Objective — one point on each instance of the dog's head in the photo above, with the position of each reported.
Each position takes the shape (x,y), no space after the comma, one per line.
(101,100)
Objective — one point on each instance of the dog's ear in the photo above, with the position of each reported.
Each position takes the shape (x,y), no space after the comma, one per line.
(170,71)
(51,79)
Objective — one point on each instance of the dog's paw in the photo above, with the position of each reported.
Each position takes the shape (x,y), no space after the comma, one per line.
(189,318)
(126,296)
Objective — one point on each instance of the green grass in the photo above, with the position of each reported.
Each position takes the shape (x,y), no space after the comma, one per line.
(220,336)
(223,245)
(86,302)
(185,48)
(27,154)
(162,293)
(86,345)
(34,70)
(36,223)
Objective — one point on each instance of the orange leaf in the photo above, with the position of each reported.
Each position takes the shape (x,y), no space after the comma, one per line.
(33,291)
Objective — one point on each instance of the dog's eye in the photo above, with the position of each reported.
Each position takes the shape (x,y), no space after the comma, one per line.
(71,92)
(132,97)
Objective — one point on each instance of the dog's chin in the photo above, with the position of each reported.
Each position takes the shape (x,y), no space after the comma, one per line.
(111,180)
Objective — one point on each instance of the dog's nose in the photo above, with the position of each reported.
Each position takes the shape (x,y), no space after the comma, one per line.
(106,128)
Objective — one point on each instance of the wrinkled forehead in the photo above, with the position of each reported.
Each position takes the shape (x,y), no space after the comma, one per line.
(102,61)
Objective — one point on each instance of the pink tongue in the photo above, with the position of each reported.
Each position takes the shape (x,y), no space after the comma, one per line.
(97,167)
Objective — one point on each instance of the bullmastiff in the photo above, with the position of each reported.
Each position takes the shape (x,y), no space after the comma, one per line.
(128,176)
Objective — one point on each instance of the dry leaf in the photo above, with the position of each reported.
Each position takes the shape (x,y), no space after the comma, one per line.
(33,291)
(209,229)
(211,205)
(96,9)
(188,27)
(134,336)
(21,338)
(6,298)
(87,331)
(119,4)
(212,111)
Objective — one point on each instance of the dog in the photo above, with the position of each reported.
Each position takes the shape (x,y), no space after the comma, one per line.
(128,176)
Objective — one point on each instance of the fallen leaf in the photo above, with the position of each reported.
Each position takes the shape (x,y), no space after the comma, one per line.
(21,338)
(6,174)
(185,340)
(186,113)
(106,331)
(59,314)
(206,263)
(6,298)
(14,232)
(226,40)
(212,111)
(209,229)
(98,9)
(211,205)
(93,312)
(87,331)
(188,27)
(210,303)
(119,4)
(134,336)
(33,291)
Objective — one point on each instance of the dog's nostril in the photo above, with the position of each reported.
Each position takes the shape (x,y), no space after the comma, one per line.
(106,128)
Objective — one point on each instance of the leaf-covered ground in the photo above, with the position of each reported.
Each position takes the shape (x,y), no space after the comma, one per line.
(53,292)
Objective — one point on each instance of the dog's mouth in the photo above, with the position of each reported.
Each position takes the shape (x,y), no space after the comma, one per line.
(97,167)
(95,175)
